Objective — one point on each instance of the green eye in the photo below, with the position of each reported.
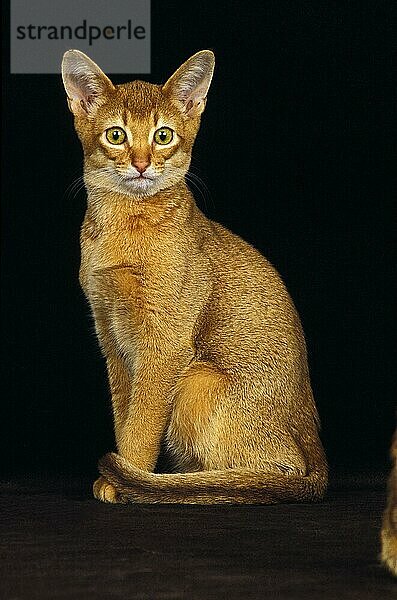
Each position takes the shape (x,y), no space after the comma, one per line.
(115,135)
(163,136)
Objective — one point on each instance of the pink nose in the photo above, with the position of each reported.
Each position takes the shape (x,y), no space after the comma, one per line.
(141,164)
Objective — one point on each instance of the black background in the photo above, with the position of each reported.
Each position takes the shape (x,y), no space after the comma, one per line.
(296,150)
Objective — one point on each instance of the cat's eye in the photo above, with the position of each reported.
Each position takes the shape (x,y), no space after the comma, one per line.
(115,135)
(163,136)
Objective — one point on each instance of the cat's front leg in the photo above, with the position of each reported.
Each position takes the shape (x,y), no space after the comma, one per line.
(120,383)
(104,491)
(142,387)
(151,405)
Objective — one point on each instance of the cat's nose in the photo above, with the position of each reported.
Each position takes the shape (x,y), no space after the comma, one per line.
(141,164)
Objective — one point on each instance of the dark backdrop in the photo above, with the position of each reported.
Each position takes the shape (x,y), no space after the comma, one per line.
(296,152)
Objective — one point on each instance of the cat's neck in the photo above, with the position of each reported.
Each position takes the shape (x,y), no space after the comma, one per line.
(112,209)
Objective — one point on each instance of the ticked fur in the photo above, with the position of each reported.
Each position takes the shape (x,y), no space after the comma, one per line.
(205,352)
(389,525)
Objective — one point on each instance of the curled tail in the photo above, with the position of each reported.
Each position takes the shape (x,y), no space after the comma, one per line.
(232,486)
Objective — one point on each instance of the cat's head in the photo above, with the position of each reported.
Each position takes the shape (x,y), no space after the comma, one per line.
(137,137)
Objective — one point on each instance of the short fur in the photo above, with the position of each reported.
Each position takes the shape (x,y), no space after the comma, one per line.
(389,526)
(205,352)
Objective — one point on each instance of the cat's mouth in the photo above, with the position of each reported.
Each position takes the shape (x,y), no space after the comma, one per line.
(140,183)
(140,177)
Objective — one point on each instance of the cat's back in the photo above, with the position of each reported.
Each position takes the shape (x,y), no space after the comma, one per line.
(242,268)
(249,304)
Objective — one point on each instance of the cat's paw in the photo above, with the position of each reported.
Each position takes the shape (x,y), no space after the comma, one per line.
(105,491)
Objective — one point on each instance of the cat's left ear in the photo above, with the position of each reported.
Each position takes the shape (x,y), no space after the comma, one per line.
(189,85)
(86,85)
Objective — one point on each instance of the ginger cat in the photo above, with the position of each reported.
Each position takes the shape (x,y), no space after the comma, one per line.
(389,525)
(205,352)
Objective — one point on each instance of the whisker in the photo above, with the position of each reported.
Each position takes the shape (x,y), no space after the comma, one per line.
(193,177)
(195,181)
(73,189)
(111,180)
(197,187)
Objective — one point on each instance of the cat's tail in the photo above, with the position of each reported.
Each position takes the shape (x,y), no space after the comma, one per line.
(232,486)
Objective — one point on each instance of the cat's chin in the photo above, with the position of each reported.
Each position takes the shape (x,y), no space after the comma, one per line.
(140,186)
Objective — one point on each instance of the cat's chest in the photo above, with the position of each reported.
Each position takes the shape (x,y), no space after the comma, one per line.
(125,264)
(113,250)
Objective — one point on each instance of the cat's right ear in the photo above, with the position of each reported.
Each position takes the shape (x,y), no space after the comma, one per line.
(85,84)
(188,86)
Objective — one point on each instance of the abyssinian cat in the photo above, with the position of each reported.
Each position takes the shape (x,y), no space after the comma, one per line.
(205,352)
(389,525)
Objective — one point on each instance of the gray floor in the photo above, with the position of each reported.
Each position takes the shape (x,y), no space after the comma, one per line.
(58,542)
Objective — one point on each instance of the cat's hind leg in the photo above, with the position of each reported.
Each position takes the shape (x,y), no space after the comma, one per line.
(220,422)
(192,432)
(243,455)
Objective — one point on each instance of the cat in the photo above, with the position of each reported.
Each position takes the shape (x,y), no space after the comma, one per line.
(389,525)
(205,352)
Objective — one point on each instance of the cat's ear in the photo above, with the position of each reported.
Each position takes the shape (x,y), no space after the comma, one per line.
(189,85)
(85,84)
